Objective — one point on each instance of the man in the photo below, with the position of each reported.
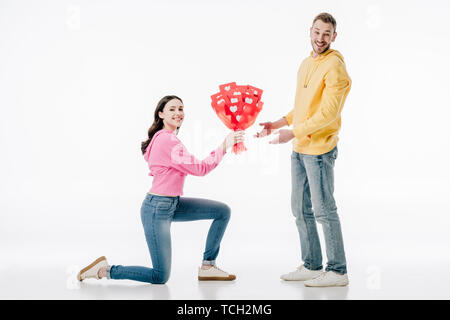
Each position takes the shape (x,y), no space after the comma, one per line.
(323,85)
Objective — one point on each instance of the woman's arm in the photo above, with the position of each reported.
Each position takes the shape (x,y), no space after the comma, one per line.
(181,159)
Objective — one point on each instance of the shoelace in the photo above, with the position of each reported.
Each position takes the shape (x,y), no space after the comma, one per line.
(298,269)
(322,275)
(218,269)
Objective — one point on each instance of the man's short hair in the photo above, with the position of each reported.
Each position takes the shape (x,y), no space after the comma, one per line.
(327,18)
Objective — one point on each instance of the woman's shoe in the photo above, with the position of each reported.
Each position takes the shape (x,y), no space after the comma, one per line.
(91,271)
(214,273)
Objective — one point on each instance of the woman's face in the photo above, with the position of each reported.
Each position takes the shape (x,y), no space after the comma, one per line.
(172,114)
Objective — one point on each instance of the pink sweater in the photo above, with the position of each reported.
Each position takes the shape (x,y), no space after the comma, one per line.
(170,163)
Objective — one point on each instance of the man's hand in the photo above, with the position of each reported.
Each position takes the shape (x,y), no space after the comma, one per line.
(270,126)
(283,136)
(267,130)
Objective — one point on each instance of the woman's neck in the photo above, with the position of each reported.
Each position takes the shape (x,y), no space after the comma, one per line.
(173,129)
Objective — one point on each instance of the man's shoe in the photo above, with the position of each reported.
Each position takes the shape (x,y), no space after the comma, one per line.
(328,279)
(301,274)
(91,271)
(214,273)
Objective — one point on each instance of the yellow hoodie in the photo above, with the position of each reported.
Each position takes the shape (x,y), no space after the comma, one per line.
(322,87)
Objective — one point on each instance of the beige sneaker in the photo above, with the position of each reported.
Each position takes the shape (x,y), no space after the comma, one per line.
(91,271)
(301,274)
(214,273)
(328,279)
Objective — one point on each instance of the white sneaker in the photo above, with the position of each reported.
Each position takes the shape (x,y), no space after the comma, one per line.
(328,279)
(91,271)
(214,273)
(301,274)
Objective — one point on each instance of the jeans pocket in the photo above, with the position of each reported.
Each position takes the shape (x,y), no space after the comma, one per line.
(331,154)
(163,205)
(335,153)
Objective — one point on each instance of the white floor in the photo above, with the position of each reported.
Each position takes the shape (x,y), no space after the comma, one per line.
(389,257)
(56,283)
(257,278)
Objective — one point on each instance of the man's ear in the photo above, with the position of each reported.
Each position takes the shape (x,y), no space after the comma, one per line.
(334,37)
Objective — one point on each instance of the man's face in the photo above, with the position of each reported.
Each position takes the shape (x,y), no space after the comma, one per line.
(322,35)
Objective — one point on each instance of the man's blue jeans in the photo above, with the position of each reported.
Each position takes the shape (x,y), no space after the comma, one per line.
(312,187)
(157,214)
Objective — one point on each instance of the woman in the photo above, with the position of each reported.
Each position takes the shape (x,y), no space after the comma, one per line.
(169,163)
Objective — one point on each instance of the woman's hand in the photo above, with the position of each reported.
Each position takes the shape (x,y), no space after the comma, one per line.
(233,138)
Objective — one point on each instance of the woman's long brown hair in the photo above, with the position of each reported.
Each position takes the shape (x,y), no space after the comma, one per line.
(158,122)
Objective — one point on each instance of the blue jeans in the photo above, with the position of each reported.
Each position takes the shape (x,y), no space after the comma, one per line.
(157,214)
(312,187)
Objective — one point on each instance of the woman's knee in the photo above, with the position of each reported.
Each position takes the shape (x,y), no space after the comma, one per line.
(160,277)
(225,211)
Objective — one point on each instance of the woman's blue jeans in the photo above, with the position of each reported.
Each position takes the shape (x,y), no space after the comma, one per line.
(157,214)
(312,187)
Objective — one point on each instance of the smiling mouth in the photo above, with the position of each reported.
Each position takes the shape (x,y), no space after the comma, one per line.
(320,45)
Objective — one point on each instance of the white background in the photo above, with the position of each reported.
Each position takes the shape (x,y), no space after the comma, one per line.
(79,84)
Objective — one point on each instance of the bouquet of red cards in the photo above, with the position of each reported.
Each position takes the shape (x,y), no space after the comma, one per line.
(237,107)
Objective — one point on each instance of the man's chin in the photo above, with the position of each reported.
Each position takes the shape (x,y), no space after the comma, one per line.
(321,50)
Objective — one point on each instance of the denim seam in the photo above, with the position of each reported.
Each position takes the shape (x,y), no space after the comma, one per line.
(216,237)
(331,233)
(308,233)
(138,273)
(322,200)
(154,241)
(333,242)
(322,193)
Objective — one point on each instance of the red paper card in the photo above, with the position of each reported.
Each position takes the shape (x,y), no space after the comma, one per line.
(225,88)
(255,91)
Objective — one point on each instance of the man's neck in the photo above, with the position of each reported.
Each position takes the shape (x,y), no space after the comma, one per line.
(315,54)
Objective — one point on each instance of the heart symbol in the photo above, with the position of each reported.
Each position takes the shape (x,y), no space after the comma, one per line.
(220,101)
(256,93)
(234,100)
(249,100)
(237,93)
(227,88)
(238,118)
(233,109)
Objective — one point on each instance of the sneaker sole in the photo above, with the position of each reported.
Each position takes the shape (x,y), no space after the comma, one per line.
(102,258)
(307,279)
(334,285)
(229,278)
(297,279)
